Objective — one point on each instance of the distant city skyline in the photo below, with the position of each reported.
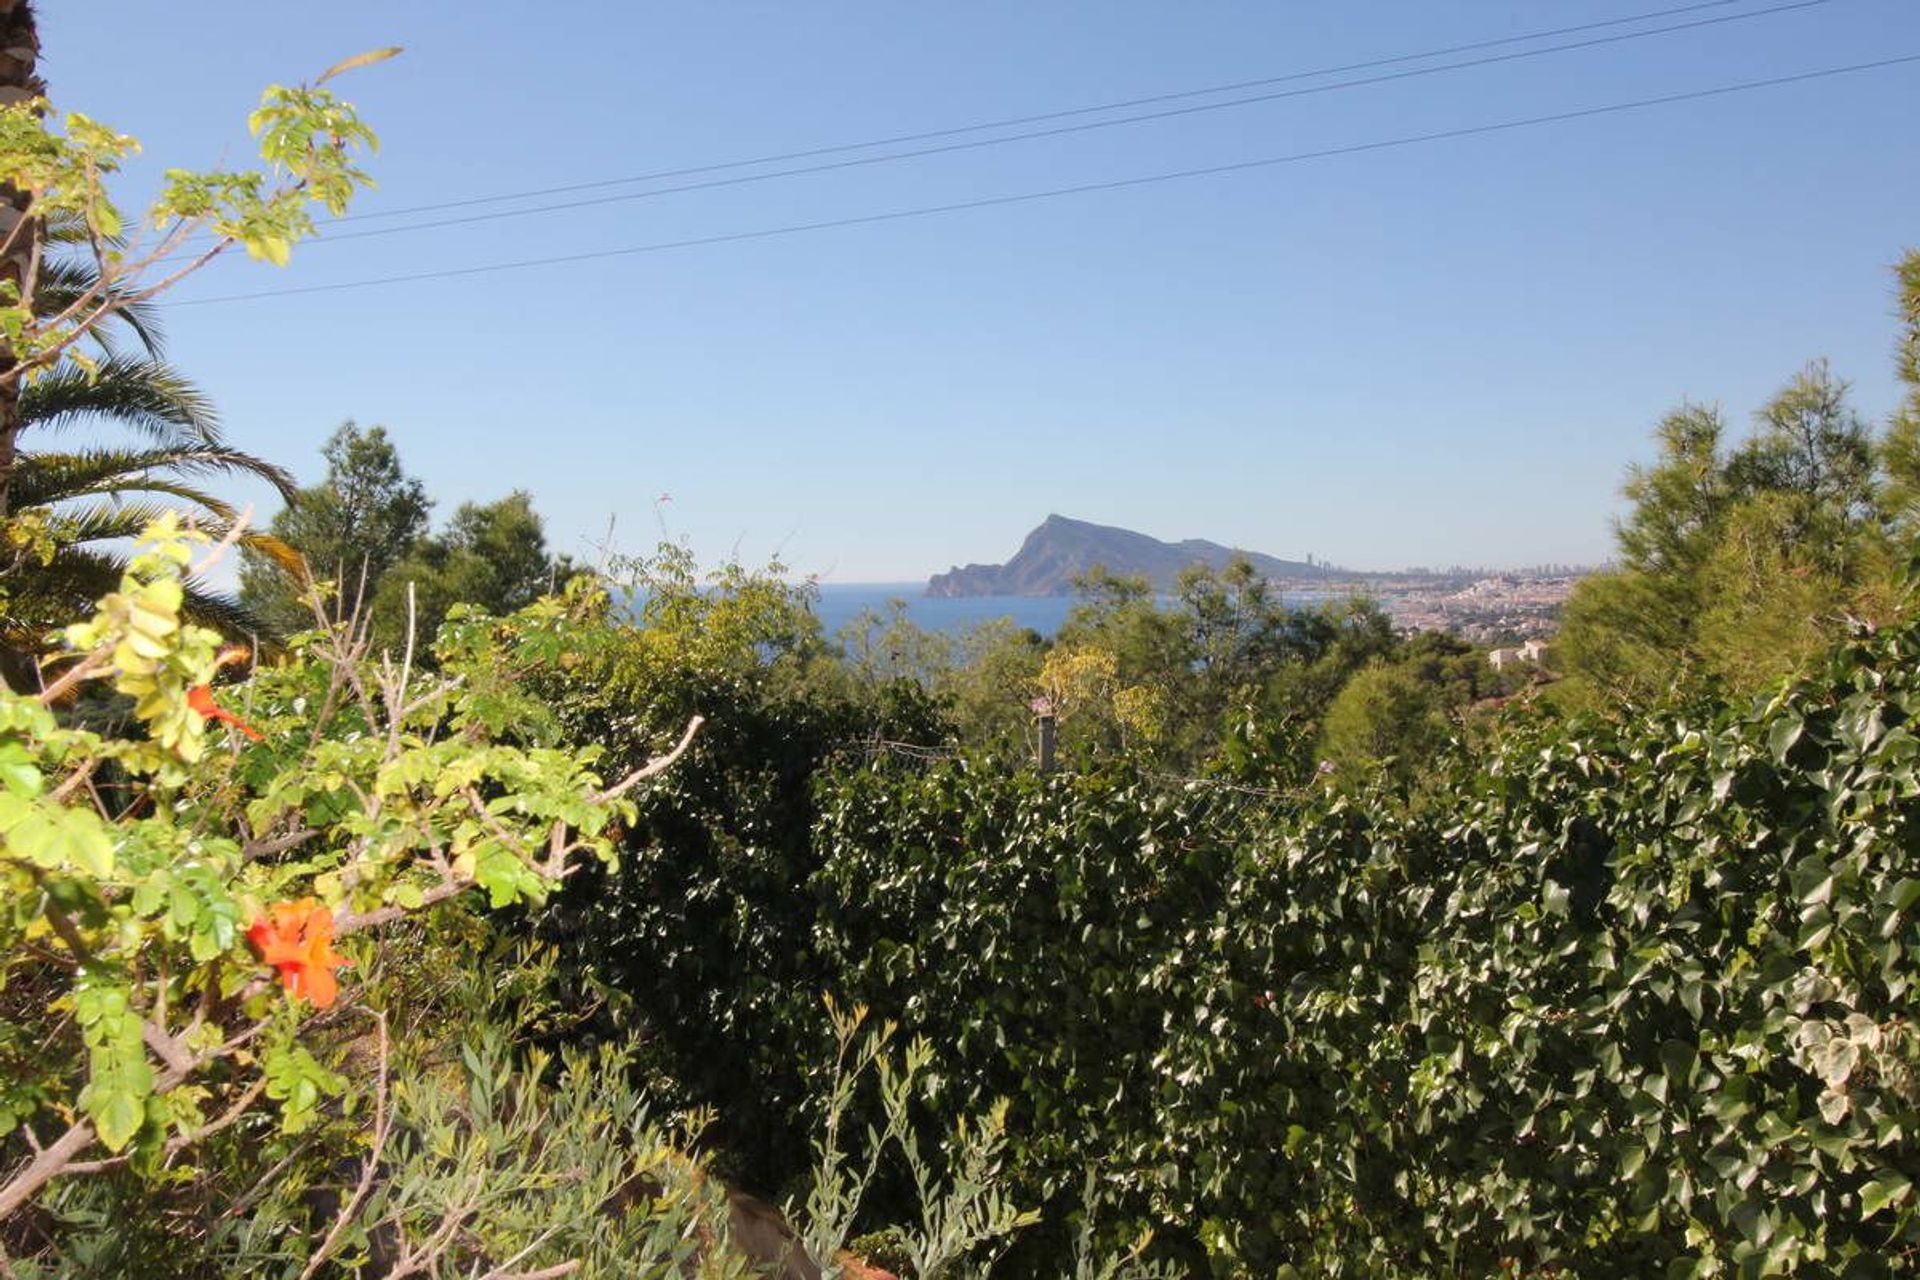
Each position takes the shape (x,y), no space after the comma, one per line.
(1402,317)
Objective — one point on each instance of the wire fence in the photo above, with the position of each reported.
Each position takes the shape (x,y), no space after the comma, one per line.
(876,748)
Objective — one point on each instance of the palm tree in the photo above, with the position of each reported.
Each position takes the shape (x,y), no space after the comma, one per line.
(84,502)
(20,231)
(66,514)
(98,495)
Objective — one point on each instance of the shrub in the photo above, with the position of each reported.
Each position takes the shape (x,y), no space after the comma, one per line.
(1615,998)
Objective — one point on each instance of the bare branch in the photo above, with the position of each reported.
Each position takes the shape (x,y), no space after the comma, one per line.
(168,1049)
(85,322)
(51,1161)
(354,921)
(279,844)
(63,925)
(235,528)
(181,1141)
(653,767)
(73,781)
(85,669)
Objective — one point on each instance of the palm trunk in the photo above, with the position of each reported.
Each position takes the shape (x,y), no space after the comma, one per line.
(19,233)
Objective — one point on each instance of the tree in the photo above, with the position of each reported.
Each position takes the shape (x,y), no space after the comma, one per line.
(363,529)
(350,529)
(1397,712)
(19,228)
(80,504)
(1384,717)
(1737,563)
(878,648)
(1677,502)
(1231,675)
(67,272)
(1810,443)
(148,902)
(56,178)
(493,555)
(1769,596)
(1240,627)
(988,691)
(72,510)
(1900,449)
(1629,630)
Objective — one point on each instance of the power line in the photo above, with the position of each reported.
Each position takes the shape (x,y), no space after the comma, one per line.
(1080,189)
(1041,118)
(979,143)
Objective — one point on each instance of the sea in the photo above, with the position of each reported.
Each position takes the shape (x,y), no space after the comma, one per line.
(841,602)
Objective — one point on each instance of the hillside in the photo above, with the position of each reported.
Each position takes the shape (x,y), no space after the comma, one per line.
(1061,549)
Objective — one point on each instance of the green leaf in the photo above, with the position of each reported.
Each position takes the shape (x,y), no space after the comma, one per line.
(1785,732)
(1887,1189)
(35,836)
(13,808)
(275,249)
(117,1116)
(87,842)
(1903,893)
(297,1081)
(119,1078)
(19,772)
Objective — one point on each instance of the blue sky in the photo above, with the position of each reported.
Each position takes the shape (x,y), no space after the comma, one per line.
(1442,353)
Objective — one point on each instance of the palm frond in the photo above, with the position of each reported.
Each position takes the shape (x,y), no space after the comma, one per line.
(178,496)
(281,554)
(109,520)
(114,521)
(46,597)
(69,226)
(133,392)
(65,590)
(225,614)
(45,478)
(64,281)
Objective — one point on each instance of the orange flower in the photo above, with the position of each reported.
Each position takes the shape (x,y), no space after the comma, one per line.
(200,698)
(297,939)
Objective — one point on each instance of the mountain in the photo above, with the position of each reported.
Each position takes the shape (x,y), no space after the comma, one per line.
(1062,549)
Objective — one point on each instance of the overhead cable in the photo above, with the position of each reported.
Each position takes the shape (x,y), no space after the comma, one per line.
(1114,184)
(1059,130)
(1039,118)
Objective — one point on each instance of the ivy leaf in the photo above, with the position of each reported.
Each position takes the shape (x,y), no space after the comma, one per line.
(1785,732)
(1904,893)
(1888,1188)
(1835,1060)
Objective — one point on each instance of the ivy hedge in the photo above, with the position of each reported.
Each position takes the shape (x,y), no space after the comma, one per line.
(1629,998)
